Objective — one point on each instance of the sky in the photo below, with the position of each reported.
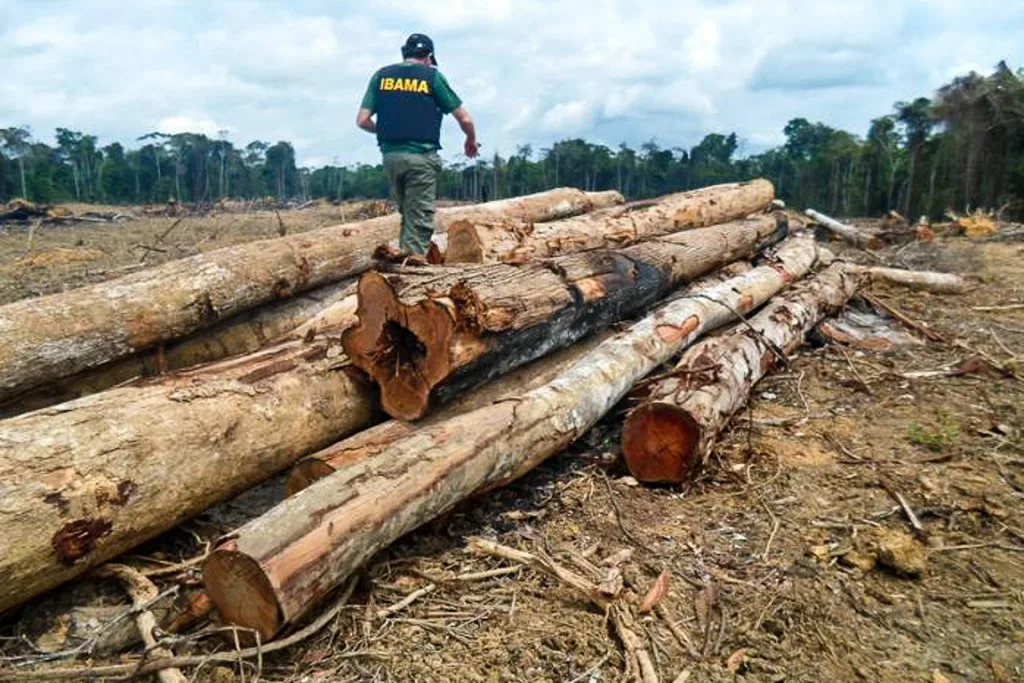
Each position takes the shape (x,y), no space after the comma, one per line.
(529,71)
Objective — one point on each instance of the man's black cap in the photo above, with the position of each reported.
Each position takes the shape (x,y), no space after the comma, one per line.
(419,45)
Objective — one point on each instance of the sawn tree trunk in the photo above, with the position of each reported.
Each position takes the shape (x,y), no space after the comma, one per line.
(667,436)
(274,569)
(430,336)
(476,241)
(55,336)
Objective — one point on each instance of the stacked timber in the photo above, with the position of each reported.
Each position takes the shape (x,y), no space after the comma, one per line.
(55,336)
(503,361)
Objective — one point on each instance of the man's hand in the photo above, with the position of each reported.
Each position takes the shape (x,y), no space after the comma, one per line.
(472,147)
(364,119)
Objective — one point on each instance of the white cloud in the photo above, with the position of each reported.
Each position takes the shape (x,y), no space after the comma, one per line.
(530,71)
(189,124)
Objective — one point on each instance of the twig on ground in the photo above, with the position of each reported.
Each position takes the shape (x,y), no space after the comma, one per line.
(855,371)
(618,513)
(597,665)
(677,632)
(1007,307)
(408,600)
(919,529)
(129,671)
(775,530)
(142,591)
(904,318)
(638,659)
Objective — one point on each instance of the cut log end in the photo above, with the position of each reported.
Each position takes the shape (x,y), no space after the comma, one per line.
(306,473)
(242,592)
(464,243)
(402,347)
(659,444)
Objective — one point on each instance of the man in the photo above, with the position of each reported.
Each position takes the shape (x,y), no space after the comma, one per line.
(410,99)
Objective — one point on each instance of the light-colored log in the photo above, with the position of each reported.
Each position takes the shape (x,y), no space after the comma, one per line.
(274,569)
(240,334)
(849,233)
(87,480)
(59,335)
(921,280)
(668,436)
(476,241)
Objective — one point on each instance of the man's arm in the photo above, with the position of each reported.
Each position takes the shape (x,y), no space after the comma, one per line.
(471,148)
(364,119)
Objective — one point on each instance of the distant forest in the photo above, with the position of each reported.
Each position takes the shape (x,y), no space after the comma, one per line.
(963,148)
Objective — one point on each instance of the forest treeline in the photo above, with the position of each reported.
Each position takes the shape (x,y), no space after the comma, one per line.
(962,148)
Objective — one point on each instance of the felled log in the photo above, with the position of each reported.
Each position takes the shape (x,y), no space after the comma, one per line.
(59,335)
(848,233)
(921,280)
(274,569)
(666,438)
(475,241)
(433,334)
(243,333)
(369,442)
(87,480)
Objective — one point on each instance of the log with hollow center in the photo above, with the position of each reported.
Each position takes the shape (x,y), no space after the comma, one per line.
(275,568)
(58,335)
(428,335)
(472,240)
(667,436)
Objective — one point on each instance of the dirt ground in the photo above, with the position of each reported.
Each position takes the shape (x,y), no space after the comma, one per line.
(790,559)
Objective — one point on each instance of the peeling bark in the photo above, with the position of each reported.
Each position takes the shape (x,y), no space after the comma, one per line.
(274,569)
(435,333)
(476,241)
(87,480)
(668,436)
(242,333)
(59,335)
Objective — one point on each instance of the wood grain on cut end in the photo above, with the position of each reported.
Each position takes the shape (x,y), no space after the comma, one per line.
(464,243)
(242,592)
(659,444)
(404,348)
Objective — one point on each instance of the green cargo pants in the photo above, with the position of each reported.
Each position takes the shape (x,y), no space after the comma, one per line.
(414,181)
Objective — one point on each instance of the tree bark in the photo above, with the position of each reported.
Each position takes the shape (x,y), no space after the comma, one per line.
(274,569)
(62,334)
(847,232)
(476,241)
(243,333)
(430,336)
(85,481)
(369,442)
(667,437)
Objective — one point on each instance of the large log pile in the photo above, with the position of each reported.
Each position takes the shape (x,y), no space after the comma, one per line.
(428,336)
(503,361)
(62,334)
